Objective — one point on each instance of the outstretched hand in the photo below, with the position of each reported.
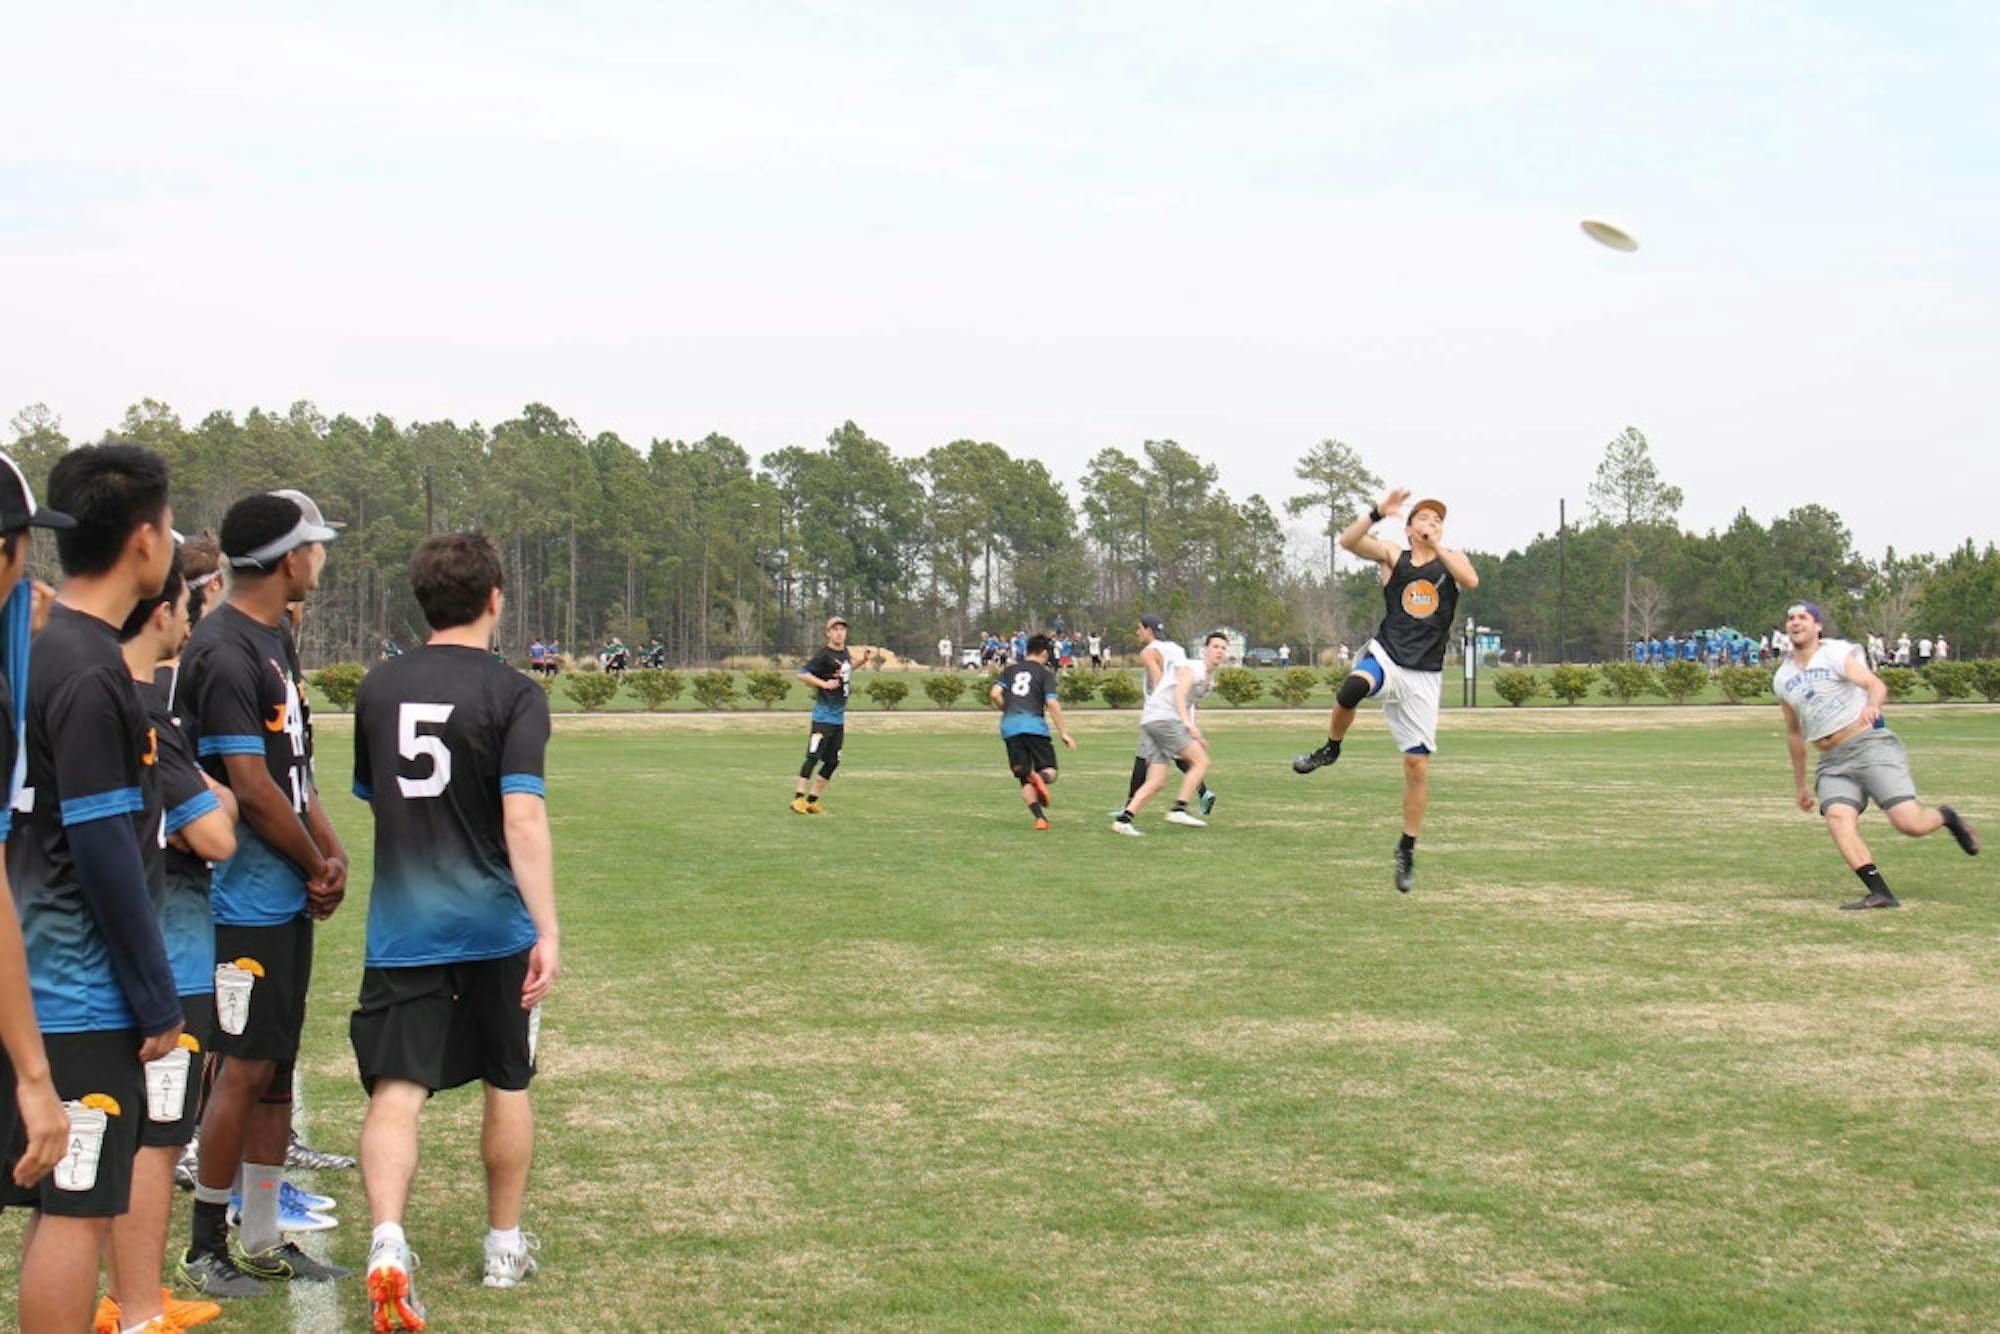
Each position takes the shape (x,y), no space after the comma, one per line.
(1392,504)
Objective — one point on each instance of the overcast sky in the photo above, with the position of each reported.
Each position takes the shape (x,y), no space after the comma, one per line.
(1054,226)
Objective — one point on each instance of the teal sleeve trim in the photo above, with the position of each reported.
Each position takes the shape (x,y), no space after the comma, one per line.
(231,745)
(527,784)
(102,806)
(363,790)
(200,804)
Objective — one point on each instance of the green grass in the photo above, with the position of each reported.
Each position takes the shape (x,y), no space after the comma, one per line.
(1617,1062)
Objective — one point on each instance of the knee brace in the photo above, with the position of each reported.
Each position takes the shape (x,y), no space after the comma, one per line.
(1353,690)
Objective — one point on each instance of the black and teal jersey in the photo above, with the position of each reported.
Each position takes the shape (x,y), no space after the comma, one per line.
(830,664)
(187,926)
(91,755)
(241,693)
(1025,690)
(440,736)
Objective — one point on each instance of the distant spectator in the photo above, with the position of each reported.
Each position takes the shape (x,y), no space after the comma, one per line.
(1943,651)
(944,652)
(1924,651)
(1903,649)
(1284,655)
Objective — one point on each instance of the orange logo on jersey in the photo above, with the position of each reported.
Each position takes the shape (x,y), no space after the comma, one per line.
(1420,598)
(276,723)
(152,754)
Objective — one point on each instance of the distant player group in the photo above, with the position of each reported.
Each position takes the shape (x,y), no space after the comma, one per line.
(168,857)
(1826,690)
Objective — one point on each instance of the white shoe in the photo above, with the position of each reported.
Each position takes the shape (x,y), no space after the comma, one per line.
(392,1293)
(1188,818)
(504,1269)
(1127,828)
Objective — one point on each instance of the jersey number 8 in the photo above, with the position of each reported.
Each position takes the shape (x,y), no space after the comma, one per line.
(1023,682)
(414,745)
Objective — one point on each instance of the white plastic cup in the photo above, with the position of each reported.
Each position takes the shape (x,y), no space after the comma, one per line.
(77,1170)
(167,1085)
(232,997)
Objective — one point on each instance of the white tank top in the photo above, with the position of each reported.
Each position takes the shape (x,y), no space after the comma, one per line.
(1819,692)
(1160,699)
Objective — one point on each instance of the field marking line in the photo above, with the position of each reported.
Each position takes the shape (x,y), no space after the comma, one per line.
(315,1309)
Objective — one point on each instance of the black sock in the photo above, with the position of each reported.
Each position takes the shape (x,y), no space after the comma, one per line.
(1035,809)
(210,1234)
(1125,817)
(1873,879)
(1332,747)
(1202,790)
(1408,843)
(1138,778)
(1180,805)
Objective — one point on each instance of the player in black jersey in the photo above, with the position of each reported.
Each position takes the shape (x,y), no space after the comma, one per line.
(1026,695)
(830,672)
(195,828)
(462,937)
(243,697)
(104,994)
(29,1106)
(1404,663)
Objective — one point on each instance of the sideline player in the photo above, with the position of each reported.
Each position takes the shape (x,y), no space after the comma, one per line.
(1404,662)
(241,687)
(831,672)
(1153,648)
(462,938)
(34,1128)
(197,826)
(104,994)
(1831,699)
(1168,733)
(1025,692)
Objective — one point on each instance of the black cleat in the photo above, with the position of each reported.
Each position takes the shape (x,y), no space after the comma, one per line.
(1406,870)
(1316,759)
(1968,841)
(1872,901)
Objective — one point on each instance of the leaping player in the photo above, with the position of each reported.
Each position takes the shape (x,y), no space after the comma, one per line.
(1831,699)
(1403,664)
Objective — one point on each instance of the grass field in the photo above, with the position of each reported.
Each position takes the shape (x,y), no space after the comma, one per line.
(1617,1062)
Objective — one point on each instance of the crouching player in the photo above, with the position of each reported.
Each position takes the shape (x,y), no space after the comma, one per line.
(1025,694)
(462,941)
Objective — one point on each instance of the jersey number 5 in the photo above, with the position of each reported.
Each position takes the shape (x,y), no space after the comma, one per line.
(414,745)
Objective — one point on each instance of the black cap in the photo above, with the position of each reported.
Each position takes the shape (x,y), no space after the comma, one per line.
(17,503)
(1154,623)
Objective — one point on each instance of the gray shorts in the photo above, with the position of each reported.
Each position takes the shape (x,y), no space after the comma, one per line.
(1160,742)
(1874,765)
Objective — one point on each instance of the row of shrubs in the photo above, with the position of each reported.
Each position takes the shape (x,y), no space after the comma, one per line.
(1682,681)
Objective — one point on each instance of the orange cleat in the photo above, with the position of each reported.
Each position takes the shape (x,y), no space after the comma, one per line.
(1041,823)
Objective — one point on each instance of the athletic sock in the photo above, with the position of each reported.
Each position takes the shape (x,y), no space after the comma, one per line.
(1180,805)
(388,1234)
(1202,790)
(259,1229)
(210,1233)
(506,1239)
(1125,816)
(1035,809)
(1138,778)
(1408,843)
(1873,879)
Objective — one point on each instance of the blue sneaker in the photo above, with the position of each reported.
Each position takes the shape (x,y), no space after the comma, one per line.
(293,1215)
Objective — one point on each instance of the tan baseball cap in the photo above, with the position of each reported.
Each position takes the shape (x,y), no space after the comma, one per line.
(832,621)
(1423,505)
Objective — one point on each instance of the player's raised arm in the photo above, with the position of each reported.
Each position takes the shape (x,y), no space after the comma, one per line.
(1359,537)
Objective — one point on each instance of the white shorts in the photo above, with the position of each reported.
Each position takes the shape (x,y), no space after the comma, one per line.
(1409,700)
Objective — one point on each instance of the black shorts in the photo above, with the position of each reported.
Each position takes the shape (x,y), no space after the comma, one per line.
(92,1180)
(198,1030)
(1029,751)
(824,743)
(278,998)
(443,1025)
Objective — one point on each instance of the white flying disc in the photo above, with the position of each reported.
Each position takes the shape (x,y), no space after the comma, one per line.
(1605,234)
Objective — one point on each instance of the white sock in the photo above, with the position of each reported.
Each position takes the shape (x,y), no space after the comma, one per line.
(389,1234)
(259,1231)
(503,1239)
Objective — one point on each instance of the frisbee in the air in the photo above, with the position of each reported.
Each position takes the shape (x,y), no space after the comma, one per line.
(1605,234)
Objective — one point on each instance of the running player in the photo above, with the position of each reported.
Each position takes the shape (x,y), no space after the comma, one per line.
(1404,663)
(103,991)
(196,828)
(1830,698)
(1153,647)
(1169,734)
(462,937)
(1026,695)
(34,1128)
(831,672)
(241,688)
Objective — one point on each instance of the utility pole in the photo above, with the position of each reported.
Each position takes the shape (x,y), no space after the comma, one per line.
(1562,577)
